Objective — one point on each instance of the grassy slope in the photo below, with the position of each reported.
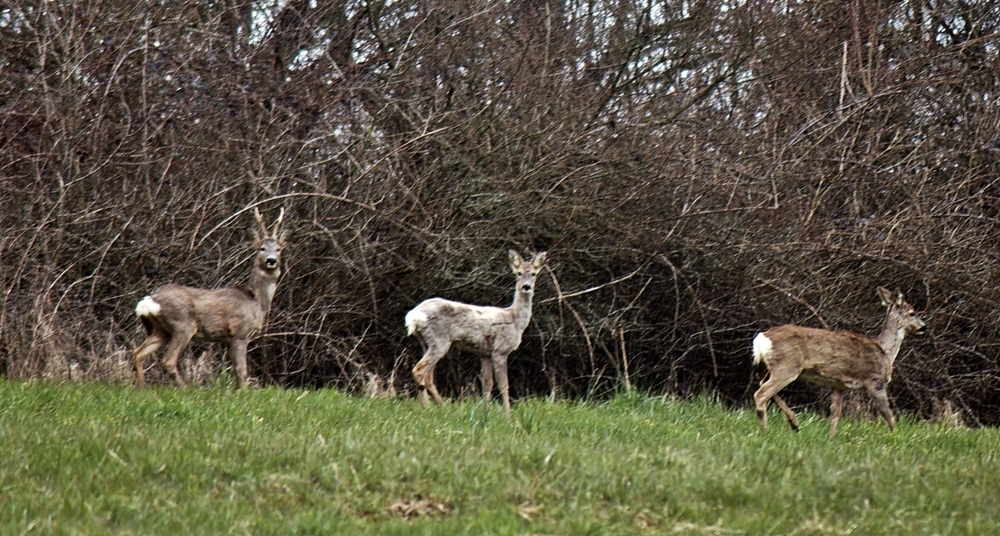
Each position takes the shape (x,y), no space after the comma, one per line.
(92,459)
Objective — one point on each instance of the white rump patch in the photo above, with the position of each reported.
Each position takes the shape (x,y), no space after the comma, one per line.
(415,320)
(147,307)
(761,347)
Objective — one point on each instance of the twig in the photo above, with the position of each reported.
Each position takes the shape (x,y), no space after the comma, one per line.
(562,296)
(621,339)
(579,320)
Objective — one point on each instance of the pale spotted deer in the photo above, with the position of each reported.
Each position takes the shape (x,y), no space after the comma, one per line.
(491,332)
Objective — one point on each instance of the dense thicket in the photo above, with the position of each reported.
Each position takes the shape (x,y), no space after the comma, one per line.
(698,170)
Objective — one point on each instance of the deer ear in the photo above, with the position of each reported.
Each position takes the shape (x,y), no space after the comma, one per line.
(515,259)
(283,237)
(539,259)
(886,296)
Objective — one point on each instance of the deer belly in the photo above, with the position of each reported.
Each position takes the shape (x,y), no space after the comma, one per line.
(214,335)
(474,347)
(836,383)
(225,329)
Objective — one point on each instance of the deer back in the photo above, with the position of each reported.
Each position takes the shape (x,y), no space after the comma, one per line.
(475,328)
(216,314)
(835,358)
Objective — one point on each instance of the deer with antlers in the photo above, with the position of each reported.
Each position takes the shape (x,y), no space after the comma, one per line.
(175,314)
(841,360)
(491,332)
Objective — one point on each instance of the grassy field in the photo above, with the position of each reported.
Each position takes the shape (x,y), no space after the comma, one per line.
(109,459)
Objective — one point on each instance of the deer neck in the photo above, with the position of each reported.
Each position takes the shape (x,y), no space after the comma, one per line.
(891,338)
(262,286)
(521,309)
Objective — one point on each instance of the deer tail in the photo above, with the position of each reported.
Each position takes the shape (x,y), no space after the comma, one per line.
(415,320)
(145,309)
(761,348)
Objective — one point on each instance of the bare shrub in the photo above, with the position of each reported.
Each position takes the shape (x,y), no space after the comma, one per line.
(696,174)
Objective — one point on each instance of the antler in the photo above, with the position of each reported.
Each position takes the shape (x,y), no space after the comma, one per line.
(260,221)
(277,224)
(263,227)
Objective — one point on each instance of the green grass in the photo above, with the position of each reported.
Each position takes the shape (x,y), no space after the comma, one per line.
(108,459)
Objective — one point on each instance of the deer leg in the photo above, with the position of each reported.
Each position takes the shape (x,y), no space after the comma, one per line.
(423,372)
(178,343)
(153,342)
(487,378)
(238,355)
(500,371)
(431,387)
(418,376)
(882,403)
(836,408)
(775,382)
(793,421)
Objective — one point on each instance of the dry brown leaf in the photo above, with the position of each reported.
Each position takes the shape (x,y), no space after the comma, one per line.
(410,508)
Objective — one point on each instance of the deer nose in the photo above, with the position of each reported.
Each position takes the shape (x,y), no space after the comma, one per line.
(526,288)
(271,262)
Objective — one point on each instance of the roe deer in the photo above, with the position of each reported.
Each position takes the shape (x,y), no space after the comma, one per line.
(491,332)
(174,314)
(841,360)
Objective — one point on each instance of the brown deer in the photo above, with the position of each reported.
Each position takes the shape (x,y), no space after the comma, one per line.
(491,332)
(841,360)
(174,314)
